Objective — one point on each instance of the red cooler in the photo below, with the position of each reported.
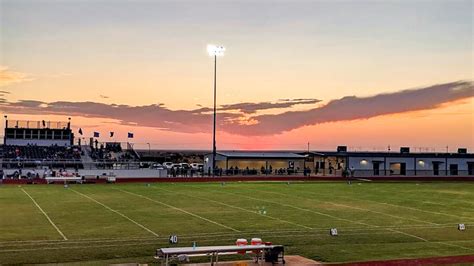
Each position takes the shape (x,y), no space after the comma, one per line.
(255,242)
(241,242)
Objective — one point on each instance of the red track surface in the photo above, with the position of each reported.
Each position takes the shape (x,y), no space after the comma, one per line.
(468,259)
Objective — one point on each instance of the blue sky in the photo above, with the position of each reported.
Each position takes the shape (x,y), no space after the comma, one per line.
(142,53)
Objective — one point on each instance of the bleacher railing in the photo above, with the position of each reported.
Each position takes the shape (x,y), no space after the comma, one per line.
(37,124)
(74,164)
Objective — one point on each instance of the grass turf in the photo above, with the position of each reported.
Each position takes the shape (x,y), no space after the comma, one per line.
(126,223)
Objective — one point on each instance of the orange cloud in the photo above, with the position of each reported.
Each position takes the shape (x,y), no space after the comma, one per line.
(239,122)
(8,77)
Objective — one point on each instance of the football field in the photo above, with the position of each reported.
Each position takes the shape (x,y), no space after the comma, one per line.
(113,223)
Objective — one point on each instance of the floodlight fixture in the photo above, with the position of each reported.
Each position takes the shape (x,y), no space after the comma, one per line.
(215,50)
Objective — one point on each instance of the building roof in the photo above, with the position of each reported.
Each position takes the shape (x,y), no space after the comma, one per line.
(393,154)
(275,155)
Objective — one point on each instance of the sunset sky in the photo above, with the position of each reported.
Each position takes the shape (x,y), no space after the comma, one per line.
(366,74)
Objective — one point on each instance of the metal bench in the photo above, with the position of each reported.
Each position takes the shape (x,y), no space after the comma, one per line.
(262,252)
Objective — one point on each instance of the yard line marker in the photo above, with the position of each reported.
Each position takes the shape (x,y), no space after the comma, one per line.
(327,215)
(181,210)
(239,208)
(348,206)
(117,212)
(45,214)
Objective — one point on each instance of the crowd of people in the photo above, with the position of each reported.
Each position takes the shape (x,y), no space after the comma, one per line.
(263,171)
(110,153)
(33,152)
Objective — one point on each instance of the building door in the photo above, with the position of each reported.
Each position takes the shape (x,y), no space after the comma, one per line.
(436,168)
(376,167)
(453,169)
(403,168)
(470,168)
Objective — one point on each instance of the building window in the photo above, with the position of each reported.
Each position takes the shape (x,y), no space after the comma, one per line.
(20,134)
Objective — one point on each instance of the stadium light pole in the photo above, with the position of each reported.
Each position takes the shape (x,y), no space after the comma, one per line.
(215,51)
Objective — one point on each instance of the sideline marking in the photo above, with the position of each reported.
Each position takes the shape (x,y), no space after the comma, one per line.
(179,209)
(44,213)
(238,208)
(319,231)
(117,212)
(152,243)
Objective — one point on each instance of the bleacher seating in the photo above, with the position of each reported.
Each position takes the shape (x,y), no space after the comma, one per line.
(112,154)
(32,152)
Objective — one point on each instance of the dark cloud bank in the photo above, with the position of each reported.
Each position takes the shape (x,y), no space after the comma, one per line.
(231,116)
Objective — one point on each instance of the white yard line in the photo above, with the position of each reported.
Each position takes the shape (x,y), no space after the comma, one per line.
(327,215)
(297,208)
(454,245)
(420,210)
(239,208)
(418,198)
(446,205)
(349,206)
(153,242)
(217,234)
(70,247)
(45,214)
(401,206)
(181,210)
(274,233)
(117,212)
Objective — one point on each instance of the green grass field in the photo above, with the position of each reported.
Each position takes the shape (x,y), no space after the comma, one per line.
(125,223)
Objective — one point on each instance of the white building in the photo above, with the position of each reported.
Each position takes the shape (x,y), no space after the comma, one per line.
(401,163)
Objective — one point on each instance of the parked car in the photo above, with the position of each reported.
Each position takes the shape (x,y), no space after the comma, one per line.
(168,165)
(197,166)
(185,166)
(157,166)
